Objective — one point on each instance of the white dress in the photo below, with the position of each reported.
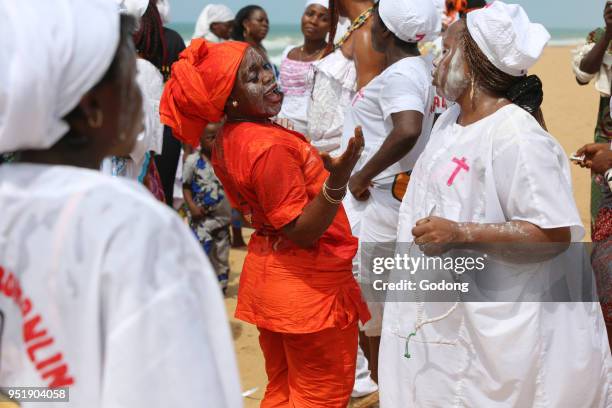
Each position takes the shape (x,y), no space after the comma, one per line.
(104,290)
(333,85)
(500,354)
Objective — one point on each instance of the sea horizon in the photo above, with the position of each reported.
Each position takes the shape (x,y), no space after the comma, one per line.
(283,35)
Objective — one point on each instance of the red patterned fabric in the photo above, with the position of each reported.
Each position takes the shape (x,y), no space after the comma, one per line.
(601,259)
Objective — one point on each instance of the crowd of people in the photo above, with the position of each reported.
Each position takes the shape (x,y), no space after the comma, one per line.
(130,162)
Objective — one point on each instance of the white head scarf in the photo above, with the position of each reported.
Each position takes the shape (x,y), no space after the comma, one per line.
(53,52)
(212,13)
(507,38)
(135,8)
(411,20)
(164,10)
(324,3)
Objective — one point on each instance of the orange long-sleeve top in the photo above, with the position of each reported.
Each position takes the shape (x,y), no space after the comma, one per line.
(270,174)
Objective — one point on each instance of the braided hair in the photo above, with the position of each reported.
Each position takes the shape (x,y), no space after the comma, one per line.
(149,39)
(334,16)
(524,91)
(243,14)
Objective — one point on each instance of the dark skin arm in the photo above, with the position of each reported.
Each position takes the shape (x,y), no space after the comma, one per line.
(407,126)
(591,63)
(436,235)
(368,62)
(597,157)
(318,215)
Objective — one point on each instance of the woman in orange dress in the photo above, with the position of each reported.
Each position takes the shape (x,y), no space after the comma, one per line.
(296,284)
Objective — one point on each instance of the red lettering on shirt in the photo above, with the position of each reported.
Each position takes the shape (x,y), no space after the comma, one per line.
(35,336)
(49,361)
(60,377)
(34,347)
(29,329)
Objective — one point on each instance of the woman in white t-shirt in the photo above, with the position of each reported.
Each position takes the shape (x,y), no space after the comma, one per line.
(102,289)
(296,63)
(394,111)
(491,174)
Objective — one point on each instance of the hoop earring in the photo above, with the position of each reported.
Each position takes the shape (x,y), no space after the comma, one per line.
(97,122)
(235,104)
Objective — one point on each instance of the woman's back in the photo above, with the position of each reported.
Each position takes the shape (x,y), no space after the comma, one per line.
(99,286)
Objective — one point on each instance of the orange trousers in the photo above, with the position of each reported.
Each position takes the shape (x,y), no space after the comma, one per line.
(313,370)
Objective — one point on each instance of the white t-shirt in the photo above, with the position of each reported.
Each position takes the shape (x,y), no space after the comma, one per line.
(104,290)
(494,354)
(404,86)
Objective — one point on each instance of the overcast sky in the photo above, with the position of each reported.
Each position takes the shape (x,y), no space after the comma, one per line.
(551,13)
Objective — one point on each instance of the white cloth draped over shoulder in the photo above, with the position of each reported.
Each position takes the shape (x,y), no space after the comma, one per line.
(503,354)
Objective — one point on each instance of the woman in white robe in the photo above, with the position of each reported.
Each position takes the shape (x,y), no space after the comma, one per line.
(102,289)
(491,173)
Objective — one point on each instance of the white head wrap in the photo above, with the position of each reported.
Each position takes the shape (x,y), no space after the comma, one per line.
(212,13)
(53,53)
(324,3)
(411,20)
(135,8)
(507,38)
(164,10)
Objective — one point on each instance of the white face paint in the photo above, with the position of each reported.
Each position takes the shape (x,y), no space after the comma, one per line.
(456,81)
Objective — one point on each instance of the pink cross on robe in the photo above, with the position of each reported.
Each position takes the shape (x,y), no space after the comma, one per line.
(461,165)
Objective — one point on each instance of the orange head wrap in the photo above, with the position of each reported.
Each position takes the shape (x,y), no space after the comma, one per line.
(201,81)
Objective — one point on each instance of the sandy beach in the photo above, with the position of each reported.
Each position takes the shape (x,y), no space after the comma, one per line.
(570,112)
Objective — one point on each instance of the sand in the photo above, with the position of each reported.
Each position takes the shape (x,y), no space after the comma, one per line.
(570,111)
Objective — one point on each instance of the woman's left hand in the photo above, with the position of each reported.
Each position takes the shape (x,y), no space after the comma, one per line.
(434,235)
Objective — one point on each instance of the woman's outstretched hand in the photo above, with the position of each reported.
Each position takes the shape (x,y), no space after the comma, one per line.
(340,168)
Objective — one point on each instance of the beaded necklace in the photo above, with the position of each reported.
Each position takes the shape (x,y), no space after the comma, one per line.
(355,25)
(420,314)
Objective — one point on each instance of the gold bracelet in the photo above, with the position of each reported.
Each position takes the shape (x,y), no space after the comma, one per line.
(330,199)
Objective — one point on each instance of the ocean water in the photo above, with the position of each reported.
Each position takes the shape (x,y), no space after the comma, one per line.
(283,35)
